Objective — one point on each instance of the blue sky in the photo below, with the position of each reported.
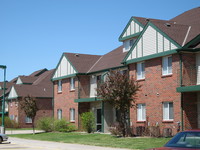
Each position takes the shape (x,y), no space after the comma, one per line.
(35,33)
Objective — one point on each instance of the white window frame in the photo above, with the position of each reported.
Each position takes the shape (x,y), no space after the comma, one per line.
(168,113)
(59,114)
(128,44)
(167,65)
(141,112)
(72,83)
(28,120)
(141,70)
(72,114)
(59,85)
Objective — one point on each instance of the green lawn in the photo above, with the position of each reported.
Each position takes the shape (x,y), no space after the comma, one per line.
(98,140)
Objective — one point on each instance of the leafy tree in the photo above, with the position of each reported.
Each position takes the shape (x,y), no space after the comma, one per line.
(119,90)
(28,104)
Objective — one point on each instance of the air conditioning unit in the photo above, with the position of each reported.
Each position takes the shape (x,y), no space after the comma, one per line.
(167,132)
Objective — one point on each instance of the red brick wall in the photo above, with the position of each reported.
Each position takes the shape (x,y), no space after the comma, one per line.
(190,110)
(65,100)
(44,106)
(155,90)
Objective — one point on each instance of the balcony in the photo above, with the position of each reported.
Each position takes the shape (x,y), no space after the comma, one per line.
(190,79)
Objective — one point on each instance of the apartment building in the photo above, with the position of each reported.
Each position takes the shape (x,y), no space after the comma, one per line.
(162,56)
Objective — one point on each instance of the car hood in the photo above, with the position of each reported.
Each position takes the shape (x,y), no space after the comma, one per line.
(171,148)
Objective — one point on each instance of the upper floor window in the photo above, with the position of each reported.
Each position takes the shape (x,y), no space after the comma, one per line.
(140,70)
(168,112)
(128,44)
(141,112)
(72,83)
(167,65)
(72,114)
(59,85)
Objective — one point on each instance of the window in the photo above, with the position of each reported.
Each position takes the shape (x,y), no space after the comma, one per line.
(59,114)
(72,84)
(128,44)
(167,65)
(59,85)
(12,117)
(168,112)
(28,120)
(141,112)
(72,114)
(140,70)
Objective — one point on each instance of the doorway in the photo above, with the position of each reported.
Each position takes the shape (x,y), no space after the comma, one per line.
(98,120)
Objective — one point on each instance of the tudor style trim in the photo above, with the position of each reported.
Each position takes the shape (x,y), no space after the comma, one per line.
(65,76)
(142,43)
(121,38)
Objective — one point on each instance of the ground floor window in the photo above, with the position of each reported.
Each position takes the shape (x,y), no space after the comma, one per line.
(168,111)
(59,114)
(12,117)
(72,114)
(141,112)
(28,120)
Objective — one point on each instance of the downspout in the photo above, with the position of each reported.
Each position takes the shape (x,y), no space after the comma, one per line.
(78,103)
(181,83)
(53,100)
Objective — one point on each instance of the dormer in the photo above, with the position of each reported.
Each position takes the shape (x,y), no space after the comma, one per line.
(130,33)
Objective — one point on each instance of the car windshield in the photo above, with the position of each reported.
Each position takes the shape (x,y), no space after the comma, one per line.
(185,140)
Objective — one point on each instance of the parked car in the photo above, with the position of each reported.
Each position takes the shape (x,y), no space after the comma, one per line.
(186,140)
(3,137)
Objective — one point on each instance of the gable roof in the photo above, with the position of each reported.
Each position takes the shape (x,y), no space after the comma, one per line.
(190,18)
(110,60)
(82,62)
(41,86)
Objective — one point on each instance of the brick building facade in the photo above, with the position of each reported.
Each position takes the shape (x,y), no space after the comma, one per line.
(162,56)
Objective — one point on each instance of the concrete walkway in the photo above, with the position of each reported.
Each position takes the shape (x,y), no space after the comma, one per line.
(22,131)
(21,144)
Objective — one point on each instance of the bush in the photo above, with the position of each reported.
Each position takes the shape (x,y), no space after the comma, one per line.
(49,124)
(115,130)
(8,123)
(69,128)
(88,121)
(46,124)
(60,125)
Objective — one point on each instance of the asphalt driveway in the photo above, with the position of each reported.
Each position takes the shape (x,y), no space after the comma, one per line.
(23,144)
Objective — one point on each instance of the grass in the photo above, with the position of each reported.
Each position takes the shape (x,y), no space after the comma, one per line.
(97,140)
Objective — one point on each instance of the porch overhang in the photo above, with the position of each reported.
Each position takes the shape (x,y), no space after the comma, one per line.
(194,88)
(91,99)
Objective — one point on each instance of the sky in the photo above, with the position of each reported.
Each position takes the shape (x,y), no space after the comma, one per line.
(35,33)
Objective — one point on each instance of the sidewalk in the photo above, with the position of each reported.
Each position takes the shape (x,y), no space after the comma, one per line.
(22,131)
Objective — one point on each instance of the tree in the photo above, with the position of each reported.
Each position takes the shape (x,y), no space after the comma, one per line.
(28,104)
(119,90)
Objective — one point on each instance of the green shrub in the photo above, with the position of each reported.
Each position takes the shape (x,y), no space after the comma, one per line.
(60,124)
(88,121)
(46,124)
(8,123)
(69,128)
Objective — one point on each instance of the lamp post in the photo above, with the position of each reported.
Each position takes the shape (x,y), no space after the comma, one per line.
(3,102)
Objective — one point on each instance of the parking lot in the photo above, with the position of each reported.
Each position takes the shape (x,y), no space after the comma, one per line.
(23,144)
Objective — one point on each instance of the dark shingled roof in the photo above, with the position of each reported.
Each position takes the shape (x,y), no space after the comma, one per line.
(110,60)
(190,18)
(41,85)
(28,79)
(82,62)
(175,31)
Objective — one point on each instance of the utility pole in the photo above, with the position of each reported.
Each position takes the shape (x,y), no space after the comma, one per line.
(3,102)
